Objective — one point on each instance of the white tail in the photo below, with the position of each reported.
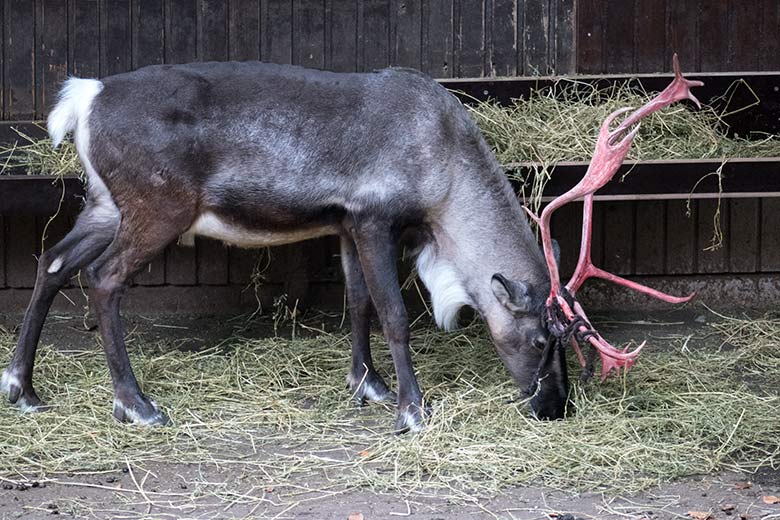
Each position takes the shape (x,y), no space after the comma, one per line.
(73,106)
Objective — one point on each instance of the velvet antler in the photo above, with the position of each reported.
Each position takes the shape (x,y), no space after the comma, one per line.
(565,317)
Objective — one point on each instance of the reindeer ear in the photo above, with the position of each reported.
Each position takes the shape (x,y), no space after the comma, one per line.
(515,296)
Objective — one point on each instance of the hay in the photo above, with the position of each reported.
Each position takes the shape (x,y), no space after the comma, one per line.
(278,407)
(38,157)
(561,122)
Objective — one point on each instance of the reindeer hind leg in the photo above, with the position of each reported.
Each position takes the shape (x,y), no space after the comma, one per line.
(93,231)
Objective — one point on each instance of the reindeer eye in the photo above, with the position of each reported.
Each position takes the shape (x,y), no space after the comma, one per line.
(539,343)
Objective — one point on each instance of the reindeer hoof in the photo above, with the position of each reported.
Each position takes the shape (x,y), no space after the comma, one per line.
(369,388)
(411,418)
(21,395)
(139,410)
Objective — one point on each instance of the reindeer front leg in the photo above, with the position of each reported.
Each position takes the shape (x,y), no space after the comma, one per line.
(377,250)
(363,381)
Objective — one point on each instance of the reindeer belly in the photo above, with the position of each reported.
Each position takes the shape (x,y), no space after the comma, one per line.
(213,226)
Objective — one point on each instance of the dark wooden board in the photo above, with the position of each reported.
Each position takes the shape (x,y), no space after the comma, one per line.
(712,39)
(649,35)
(52,53)
(712,257)
(374,34)
(309,33)
(116,35)
(244,30)
(22,248)
(276,31)
(536,37)
(590,36)
(650,236)
(681,232)
(618,37)
(147,33)
(438,33)
(408,33)
(19,48)
(212,262)
(181,31)
(744,235)
(341,26)
(181,266)
(212,30)
(565,56)
(471,38)
(770,235)
(84,32)
(618,236)
(503,38)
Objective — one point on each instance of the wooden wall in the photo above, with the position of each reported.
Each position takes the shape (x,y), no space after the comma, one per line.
(616,36)
(46,40)
(657,237)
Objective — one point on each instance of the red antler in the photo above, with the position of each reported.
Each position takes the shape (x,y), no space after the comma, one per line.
(565,316)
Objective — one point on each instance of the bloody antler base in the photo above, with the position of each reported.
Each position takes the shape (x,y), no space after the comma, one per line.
(565,318)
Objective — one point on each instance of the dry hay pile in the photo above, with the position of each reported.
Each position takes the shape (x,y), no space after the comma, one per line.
(554,124)
(277,407)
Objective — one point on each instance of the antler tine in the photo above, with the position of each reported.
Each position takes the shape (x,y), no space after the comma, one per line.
(565,317)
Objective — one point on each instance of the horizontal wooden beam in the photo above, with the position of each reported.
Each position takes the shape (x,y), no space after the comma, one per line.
(641,180)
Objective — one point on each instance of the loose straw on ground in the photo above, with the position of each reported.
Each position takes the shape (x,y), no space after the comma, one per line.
(279,408)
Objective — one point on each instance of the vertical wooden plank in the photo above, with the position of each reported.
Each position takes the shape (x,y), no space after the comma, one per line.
(438,31)
(681,242)
(212,30)
(148,32)
(52,53)
(181,265)
(682,33)
(712,260)
(769,51)
(619,237)
(471,39)
(590,36)
(567,229)
(242,264)
(650,237)
(770,238)
(565,54)
(536,37)
(619,37)
(181,29)
(19,63)
(84,47)
(212,262)
(21,249)
(714,37)
(649,35)
(743,237)
(342,32)
(153,273)
(745,39)
(503,38)
(408,34)
(3,225)
(116,35)
(277,31)
(244,30)
(598,242)
(375,32)
(309,33)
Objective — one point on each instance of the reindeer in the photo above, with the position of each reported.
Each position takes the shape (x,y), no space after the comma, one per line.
(255,155)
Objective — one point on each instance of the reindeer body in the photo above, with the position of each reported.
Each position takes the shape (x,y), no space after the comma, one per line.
(257,154)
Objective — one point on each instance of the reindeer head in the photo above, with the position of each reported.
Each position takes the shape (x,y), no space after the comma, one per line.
(565,318)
